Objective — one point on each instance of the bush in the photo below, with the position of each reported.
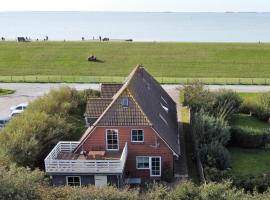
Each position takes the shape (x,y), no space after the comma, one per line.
(215,155)
(29,137)
(216,175)
(253,183)
(247,137)
(186,191)
(227,102)
(18,183)
(208,129)
(197,98)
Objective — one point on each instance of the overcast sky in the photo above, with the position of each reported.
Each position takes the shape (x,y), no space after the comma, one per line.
(136,5)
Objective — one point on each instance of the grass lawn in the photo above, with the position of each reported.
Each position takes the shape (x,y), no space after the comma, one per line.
(244,120)
(250,161)
(219,63)
(5,91)
(249,96)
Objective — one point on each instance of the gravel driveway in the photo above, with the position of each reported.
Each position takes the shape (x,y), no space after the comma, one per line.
(26,92)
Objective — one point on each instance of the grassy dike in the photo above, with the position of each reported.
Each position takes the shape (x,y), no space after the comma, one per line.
(212,63)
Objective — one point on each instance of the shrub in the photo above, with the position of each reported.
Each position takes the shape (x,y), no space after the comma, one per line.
(187,190)
(227,102)
(197,98)
(167,173)
(29,137)
(156,191)
(216,175)
(215,155)
(18,183)
(252,183)
(247,137)
(208,129)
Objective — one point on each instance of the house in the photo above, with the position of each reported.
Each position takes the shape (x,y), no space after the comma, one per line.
(132,136)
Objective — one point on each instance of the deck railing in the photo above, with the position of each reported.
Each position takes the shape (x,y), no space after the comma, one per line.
(54,165)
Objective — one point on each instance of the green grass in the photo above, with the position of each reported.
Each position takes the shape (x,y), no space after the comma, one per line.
(250,161)
(213,63)
(6,91)
(249,96)
(245,120)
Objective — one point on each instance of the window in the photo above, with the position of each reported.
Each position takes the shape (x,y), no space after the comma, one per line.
(137,136)
(124,102)
(165,108)
(112,139)
(142,162)
(74,180)
(163,99)
(163,119)
(155,166)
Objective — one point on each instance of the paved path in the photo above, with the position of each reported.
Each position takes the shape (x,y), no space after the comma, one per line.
(26,92)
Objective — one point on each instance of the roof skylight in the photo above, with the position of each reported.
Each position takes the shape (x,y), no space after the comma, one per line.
(163,119)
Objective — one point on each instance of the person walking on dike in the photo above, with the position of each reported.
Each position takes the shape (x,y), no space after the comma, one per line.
(100,38)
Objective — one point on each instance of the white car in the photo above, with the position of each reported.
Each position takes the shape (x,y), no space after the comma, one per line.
(14,110)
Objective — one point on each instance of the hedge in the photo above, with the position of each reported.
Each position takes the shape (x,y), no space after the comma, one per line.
(247,137)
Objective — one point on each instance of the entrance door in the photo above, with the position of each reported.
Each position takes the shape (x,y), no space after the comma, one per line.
(155,169)
(100,180)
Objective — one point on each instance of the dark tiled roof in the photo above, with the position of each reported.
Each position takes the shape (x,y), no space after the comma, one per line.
(117,115)
(108,90)
(149,104)
(96,106)
(155,101)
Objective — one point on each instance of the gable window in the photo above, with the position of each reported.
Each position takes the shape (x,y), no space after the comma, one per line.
(137,136)
(124,102)
(112,139)
(142,162)
(73,180)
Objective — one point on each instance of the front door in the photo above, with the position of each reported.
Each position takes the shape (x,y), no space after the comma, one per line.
(100,180)
(155,169)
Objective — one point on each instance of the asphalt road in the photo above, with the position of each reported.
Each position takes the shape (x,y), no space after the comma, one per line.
(27,92)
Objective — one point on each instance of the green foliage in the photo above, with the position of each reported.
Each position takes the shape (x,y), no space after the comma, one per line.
(247,137)
(215,155)
(89,193)
(6,91)
(197,98)
(187,190)
(227,102)
(29,137)
(216,175)
(208,129)
(18,183)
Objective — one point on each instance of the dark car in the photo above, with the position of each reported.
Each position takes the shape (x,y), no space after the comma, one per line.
(3,121)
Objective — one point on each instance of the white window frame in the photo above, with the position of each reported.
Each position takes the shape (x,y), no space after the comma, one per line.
(80,178)
(144,167)
(116,130)
(151,166)
(137,136)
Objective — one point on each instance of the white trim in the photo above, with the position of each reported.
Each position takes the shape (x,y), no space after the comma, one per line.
(116,130)
(132,137)
(159,166)
(142,157)
(80,178)
(165,142)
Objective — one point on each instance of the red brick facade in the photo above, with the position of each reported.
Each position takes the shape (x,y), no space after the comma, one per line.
(147,148)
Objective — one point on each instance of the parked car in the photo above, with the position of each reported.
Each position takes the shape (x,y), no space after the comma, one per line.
(3,121)
(14,110)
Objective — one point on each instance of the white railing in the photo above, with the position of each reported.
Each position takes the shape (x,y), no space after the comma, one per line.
(54,165)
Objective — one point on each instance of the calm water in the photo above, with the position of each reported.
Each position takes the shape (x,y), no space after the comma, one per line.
(203,27)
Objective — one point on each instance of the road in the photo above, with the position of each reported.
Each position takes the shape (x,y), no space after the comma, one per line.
(26,92)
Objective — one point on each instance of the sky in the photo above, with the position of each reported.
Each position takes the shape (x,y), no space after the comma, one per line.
(137,5)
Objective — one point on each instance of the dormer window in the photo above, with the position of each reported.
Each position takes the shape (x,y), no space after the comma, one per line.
(124,102)
(165,108)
